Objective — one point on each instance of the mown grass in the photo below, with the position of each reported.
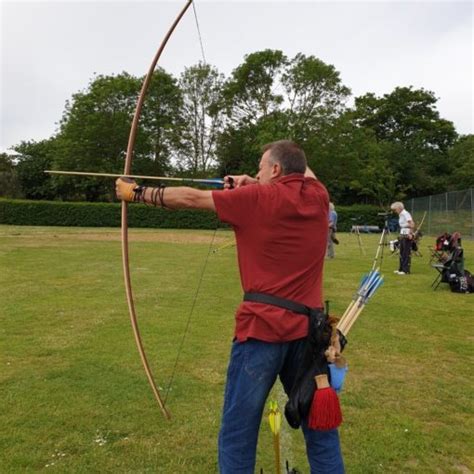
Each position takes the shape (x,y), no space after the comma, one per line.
(75,398)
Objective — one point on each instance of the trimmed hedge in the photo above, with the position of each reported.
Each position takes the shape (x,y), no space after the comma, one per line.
(84,214)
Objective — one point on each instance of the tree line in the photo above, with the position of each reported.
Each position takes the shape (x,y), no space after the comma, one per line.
(202,124)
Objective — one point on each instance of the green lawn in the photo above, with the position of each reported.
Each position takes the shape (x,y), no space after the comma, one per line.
(75,397)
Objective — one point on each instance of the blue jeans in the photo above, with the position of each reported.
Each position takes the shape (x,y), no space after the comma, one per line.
(253,369)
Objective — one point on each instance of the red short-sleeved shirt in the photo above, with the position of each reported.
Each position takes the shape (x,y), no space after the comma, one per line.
(281,235)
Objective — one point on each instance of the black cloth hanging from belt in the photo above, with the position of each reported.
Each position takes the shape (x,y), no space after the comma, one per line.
(313,359)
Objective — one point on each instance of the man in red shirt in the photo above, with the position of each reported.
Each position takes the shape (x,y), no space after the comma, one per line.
(280,220)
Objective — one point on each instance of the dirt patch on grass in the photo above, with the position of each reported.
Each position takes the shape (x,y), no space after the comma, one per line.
(189,237)
(463,469)
(208,375)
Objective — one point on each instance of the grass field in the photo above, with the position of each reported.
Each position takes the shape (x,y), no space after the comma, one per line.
(75,397)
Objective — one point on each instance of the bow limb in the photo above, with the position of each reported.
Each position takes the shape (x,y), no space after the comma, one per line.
(417,231)
(125,253)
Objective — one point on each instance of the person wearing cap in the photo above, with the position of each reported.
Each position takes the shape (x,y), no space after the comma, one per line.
(407,226)
(280,221)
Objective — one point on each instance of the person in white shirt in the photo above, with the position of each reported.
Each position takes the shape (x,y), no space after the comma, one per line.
(407,226)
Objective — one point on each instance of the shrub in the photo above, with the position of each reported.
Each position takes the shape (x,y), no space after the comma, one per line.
(84,214)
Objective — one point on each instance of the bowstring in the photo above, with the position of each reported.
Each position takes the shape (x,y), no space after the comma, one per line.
(191,312)
(199,33)
(204,266)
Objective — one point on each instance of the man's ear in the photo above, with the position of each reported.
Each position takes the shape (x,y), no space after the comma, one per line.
(276,170)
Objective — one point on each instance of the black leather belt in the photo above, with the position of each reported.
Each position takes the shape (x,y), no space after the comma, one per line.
(316,315)
(281,303)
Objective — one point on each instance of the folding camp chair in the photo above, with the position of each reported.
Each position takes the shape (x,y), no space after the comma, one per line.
(437,256)
(452,267)
(444,246)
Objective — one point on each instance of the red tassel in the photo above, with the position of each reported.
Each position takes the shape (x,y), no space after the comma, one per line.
(325,413)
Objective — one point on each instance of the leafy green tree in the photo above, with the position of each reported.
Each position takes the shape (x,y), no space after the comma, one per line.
(202,118)
(315,95)
(6,163)
(239,148)
(250,92)
(384,148)
(269,98)
(95,127)
(408,120)
(9,183)
(161,126)
(350,162)
(95,124)
(93,136)
(374,182)
(34,160)
(461,158)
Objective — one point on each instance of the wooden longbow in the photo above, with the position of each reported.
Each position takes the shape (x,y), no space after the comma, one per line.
(125,252)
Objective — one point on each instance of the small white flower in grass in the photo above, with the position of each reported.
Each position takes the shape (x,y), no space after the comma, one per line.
(406,430)
(100,439)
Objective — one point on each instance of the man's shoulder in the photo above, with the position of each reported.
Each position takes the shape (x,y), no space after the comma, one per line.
(299,178)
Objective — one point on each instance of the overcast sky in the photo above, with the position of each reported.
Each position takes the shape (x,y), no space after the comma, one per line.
(52,49)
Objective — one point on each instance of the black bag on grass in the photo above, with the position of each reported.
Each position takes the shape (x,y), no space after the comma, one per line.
(462,283)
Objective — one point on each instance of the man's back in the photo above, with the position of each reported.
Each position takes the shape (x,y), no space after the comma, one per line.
(281,232)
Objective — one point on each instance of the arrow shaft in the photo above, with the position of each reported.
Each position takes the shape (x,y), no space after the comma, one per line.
(134,176)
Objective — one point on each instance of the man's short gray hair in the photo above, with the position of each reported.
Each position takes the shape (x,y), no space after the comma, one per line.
(397,205)
(288,154)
